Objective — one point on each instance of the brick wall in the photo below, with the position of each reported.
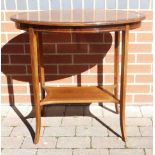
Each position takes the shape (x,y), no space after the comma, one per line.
(74,59)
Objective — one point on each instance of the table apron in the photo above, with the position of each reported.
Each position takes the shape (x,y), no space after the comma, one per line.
(61,29)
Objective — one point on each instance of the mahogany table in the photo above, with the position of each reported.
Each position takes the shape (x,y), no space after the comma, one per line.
(78,21)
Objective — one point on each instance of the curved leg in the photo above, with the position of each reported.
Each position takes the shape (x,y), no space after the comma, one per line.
(35,80)
(125,35)
(41,69)
(116,67)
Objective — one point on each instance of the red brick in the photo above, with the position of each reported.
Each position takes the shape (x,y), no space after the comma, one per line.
(27,48)
(87,79)
(3,79)
(18,38)
(99,48)
(87,37)
(16,89)
(140,48)
(3,38)
(145,58)
(110,58)
(88,59)
(13,48)
(102,69)
(59,79)
(15,79)
(57,59)
(8,27)
(107,37)
(139,68)
(94,68)
(49,48)
(56,37)
(22,99)
(138,88)
(144,78)
(145,26)
(129,98)
(132,37)
(111,50)
(20,59)
(108,69)
(110,79)
(13,69)
(21,79)
(4,59)
(11,36)
(72,48)
(143,98)
(5,99)
(144,37)
(67,70)
(131,58)
(49,69)
(72,69)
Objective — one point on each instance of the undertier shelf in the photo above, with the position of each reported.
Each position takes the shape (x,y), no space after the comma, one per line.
(83,94)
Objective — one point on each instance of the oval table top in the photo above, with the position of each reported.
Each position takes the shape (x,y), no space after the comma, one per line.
(78,18)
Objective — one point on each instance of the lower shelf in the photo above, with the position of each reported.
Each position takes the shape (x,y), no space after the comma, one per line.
(83,94)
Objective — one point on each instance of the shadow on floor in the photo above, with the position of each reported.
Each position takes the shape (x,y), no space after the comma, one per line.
(60,111)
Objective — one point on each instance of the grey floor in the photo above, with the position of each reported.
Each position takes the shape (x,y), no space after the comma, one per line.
(76,130)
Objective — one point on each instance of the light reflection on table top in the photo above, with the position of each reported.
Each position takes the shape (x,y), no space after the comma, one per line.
(78,17)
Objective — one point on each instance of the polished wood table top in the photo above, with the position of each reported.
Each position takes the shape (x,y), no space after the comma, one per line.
(88,17)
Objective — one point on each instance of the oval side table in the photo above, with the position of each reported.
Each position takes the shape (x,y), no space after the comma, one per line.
(78,21)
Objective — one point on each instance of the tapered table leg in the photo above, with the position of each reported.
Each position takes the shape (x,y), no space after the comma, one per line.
(41,69)
(124,59)
(116,66)
(35,80)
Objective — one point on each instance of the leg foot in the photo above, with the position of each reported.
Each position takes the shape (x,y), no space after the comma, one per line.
(36,138)
(38,124)
(122,125)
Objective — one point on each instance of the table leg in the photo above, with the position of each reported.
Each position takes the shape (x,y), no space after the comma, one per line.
(116,66)
(125,36)
(35,80)
(41,68)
